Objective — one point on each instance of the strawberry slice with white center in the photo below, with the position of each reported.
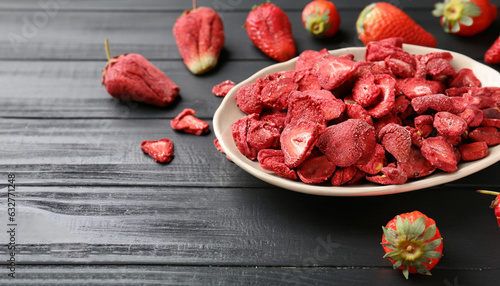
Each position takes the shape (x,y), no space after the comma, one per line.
(297,141)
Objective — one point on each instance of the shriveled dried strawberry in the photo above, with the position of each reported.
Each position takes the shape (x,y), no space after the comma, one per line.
(366,90)
(464,77)
(274,160)
(388,101)
(185,121)
(223,88)
(248,97)
(297,141)
(332,107)
(161,150)
(275,93)
(415,87)
(488,134)
(396,140)
(416,166)
(262,134)
(199,35)
(219,148)
(315,169)
(437,102)
(132,77)
(307,80)
(321,18)
(269,28)
(491,117)
(346,175)
(413,243)
(377,161)
(347,143)
(302,106)
(473,151)
(391,175)
(308,58)
(495,204)
(424,125)
(472,115)
(379,123)
(356,111)
(449,124)
(333,71)
(440,153)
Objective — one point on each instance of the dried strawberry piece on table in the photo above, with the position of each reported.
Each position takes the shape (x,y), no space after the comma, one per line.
(274,160)
(347,143)
(133,77)
(333,71)
(440,153)
(219,148)
(488,134)
(161,150)
(186,122)
(298,139)
(223,88)
(315,169)
(473,151)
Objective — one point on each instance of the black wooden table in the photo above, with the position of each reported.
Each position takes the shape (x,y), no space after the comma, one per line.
(93,209)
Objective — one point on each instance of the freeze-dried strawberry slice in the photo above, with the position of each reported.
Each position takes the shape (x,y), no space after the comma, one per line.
(388,101)
(473,151)
(274,116)
(347,143)
(437,102)
(274,160)
(416,139)
(401,105)
(416,166)
(439,68)
(315,169)
(377,161)
(464,77)
(223,88)
(248,97)
(356,111)
(186,122)
(346,175)
(449,124)
(415,87)
(424,125)
(297,141)
(380,50)
(488,134)
(262,135)
(396,140)
(161,150)
(307,59)
(491,117)
(302,106)
(366,90)
(379,123)
(391,175)
(332,107)
(307,80)
(472,115)
(275,93)
(400,68)
(333,71)
(440,153)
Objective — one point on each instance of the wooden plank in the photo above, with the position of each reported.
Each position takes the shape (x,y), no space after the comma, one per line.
(106,151)
(216,275)
(237,226)
(80,35)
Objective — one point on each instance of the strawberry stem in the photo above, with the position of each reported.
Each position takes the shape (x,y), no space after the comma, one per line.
(106,45)
(488,192)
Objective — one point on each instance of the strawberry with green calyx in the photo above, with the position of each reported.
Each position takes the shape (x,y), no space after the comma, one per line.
(412,242)
(199,35)
(492,55)
(495,204)
(465,17)
(321,18)
(269,28)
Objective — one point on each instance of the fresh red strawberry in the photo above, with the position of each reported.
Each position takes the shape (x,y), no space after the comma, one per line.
(161,150)
(199,34)
(269,28)
(321,18)
(495,204)
(492,55)
(465,17)
(412,242)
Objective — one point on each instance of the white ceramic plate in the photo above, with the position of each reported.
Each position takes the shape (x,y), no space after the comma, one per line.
(228,113)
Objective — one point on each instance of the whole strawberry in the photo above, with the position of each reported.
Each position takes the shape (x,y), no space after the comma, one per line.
(382,20)
(199,34)
(492,55)
(495,204)
(465,17)
(321,18)
(412,242)
(269,28)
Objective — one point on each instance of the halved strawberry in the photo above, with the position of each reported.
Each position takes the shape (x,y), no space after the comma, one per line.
(269,28)
(161,150)
(413,243)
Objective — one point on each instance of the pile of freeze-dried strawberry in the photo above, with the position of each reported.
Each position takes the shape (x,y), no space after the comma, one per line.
(391,117)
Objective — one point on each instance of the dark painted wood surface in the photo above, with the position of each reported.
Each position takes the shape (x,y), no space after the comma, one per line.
(92,209)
